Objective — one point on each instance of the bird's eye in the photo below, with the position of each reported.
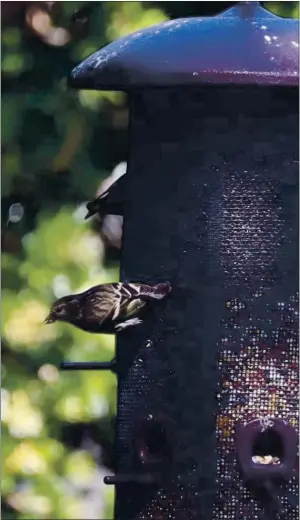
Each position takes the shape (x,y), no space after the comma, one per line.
(59,310)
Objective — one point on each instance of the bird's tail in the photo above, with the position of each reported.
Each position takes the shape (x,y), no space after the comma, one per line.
(147,292)
(161,290)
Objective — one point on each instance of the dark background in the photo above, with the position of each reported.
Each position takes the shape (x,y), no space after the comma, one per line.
(57,147)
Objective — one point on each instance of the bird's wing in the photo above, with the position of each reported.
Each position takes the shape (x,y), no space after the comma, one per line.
(105,193)
(115,192)
(130,308)
(129,303)
(104,303)
(102,195)
(114,302)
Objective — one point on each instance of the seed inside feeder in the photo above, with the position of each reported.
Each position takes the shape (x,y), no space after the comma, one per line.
(266,459)
(268,448)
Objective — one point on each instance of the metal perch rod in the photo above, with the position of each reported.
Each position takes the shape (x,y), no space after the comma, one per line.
(129,478)
(88,365)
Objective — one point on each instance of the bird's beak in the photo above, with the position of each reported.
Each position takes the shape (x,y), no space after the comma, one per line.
(88,215)
(49,320)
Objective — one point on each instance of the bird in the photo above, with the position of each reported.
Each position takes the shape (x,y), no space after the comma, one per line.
(110,202)
(107,308)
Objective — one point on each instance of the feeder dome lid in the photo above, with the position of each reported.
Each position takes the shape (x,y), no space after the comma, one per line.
(243,45)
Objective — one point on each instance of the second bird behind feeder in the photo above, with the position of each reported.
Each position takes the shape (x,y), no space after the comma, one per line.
(111,201)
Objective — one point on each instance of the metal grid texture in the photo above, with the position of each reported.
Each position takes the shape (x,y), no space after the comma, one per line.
(213,208)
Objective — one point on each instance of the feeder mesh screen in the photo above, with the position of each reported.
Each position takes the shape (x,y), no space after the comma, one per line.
(213,208)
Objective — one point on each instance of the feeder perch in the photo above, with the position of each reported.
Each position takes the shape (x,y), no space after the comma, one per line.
(287,436)
(212,187)
(129,478)
(89,365)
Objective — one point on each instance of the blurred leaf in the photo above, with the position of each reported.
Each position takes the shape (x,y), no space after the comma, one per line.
(285,9)
(11,113)
(13,64)
(129,17)
(11,37)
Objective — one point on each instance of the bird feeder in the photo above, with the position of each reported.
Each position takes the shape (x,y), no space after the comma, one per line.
(207,420)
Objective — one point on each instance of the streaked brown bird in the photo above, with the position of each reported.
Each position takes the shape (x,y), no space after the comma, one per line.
(107,308)
(110,202)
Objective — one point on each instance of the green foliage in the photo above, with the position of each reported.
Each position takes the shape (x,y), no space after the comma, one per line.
(37,401)
(285,9)
(57,145)
(54,155)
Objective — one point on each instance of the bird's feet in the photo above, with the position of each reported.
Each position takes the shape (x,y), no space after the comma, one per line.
(128,323)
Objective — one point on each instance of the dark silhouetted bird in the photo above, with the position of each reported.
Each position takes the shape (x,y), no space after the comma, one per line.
(107,308)
(110,202)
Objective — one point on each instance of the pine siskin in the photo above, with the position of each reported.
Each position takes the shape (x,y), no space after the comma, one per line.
(107,308)
(110,202)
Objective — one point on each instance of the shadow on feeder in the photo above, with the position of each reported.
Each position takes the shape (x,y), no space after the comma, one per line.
(153,443)
(152,453)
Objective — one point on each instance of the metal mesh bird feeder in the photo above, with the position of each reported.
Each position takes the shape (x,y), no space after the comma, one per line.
(207,424)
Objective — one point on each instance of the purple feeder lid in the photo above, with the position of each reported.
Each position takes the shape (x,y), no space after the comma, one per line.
(243,45)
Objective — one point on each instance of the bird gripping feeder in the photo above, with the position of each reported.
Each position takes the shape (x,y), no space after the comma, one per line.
(207,420)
